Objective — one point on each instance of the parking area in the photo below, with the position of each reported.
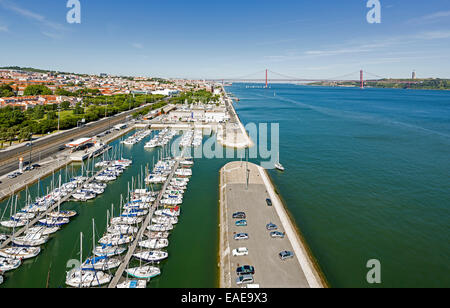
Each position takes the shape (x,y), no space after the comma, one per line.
(263,250)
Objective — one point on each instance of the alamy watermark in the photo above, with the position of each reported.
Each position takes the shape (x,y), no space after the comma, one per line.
(232,143)
(374,274)
(74,14)
(374,15)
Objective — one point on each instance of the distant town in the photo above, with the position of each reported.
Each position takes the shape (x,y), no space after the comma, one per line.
(37,102)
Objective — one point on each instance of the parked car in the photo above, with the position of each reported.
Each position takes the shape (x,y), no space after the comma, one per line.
(35,166)
(271,227)
(241,251)
(284,255)
(241,223)
(245,270)
(12,176)
(241,236)
(269,202)
(277,234)
(239,215)
(246,279)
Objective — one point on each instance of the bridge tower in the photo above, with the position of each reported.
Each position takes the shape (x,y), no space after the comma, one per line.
(361,78)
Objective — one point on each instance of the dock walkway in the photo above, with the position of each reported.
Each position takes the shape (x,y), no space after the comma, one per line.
(132,248)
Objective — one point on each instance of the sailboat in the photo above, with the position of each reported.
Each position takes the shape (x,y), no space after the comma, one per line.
(81,278)
(278,165)
(102,263)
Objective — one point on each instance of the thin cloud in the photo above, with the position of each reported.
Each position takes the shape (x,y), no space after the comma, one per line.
(4,29)
(430,18)
(40,19)
(138,45)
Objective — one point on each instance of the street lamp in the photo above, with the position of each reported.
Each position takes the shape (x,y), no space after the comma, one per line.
(31,148)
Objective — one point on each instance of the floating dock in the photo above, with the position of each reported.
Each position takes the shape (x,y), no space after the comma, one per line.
(237,194)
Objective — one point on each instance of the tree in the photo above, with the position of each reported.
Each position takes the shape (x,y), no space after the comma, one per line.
(33,90)
(65,105)
(52,115)
(10,135)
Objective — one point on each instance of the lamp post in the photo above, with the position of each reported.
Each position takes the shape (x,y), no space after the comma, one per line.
(31,148)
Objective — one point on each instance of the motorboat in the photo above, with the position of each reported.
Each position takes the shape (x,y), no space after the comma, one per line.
(144,272)
(154,243)
(9,264)
(20,252)
(152,255)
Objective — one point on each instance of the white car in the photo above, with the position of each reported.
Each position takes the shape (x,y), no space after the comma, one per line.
(242,251)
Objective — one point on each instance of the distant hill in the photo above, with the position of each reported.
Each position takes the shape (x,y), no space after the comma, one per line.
(419,84)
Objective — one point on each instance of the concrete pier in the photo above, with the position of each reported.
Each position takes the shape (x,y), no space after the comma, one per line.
(270,271)
(118,277)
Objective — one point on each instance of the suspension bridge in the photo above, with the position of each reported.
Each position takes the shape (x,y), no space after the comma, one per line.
(265,77)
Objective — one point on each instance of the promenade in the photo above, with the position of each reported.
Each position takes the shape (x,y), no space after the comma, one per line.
(270,270)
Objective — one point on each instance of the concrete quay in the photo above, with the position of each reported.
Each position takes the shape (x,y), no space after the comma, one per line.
(270,270)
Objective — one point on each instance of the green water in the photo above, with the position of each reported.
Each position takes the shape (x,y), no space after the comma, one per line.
(192,247)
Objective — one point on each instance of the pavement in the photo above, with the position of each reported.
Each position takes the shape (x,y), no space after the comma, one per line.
(270,270)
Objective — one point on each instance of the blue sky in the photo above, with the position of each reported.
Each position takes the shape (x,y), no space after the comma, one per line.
(221,39)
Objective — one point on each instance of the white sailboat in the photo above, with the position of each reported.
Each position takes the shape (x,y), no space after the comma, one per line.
(20,252)
(81,278)
(132,284)
(9,264)
(278,165)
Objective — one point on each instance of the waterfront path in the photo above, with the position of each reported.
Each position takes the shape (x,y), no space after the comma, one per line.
(270,270)
(132,248)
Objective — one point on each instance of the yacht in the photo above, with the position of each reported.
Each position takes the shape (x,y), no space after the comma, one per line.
(79,278)
(144,272)
(154,243)
(43,230)
(100,263)
(20,252)
(151,256)
(9,264)
(115,240)
(160,228)
(108,251)
(31,239)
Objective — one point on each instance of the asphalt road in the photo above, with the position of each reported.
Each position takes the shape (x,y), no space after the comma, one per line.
(41,149)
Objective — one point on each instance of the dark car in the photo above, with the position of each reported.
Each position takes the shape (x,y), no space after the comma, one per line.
(271,227)
(61,148)
(269,202)
(36,166)
(239,215)
(284,255)
(245,270)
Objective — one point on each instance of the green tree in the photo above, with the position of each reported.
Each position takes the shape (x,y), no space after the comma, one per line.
(39,89)
(65,105)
